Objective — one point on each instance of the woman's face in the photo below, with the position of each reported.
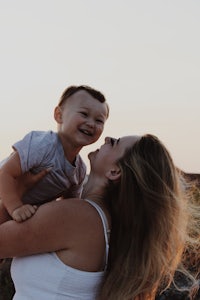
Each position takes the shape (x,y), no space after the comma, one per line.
(106,157)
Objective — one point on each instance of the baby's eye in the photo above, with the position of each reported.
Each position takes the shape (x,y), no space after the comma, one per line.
(83,113)
(100,121)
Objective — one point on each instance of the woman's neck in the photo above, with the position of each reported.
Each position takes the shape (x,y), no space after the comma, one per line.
(94,190)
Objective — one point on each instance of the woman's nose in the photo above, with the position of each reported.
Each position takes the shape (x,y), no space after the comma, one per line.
(107,139)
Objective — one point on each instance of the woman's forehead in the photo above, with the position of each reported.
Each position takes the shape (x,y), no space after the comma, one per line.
(129,139)
(126,142)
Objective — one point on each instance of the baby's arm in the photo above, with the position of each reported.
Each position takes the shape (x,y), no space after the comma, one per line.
(9,191)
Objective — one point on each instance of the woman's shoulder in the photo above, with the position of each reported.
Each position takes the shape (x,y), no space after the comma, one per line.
(71,208)
(78,213)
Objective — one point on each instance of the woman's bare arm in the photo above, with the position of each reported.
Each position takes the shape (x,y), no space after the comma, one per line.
(52,228)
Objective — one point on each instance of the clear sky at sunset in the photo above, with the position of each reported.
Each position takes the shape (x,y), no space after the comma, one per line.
(143,55)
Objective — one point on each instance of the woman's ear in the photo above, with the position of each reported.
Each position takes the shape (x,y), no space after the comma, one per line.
(114,174)
(58,114)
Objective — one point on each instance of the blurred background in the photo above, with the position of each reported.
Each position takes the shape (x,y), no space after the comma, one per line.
(143,55)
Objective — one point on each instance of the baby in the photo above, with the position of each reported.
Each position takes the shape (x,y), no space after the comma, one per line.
(80,115)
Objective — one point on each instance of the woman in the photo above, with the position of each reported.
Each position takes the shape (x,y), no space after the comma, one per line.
(133,190)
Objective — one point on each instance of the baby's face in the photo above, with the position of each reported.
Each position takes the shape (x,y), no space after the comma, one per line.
(82,119)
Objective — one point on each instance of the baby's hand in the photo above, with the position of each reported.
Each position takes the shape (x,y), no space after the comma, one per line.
(24,212)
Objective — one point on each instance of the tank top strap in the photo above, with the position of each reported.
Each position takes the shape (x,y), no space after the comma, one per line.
(105,228)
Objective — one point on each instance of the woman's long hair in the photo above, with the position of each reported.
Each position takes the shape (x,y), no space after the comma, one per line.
(149,223)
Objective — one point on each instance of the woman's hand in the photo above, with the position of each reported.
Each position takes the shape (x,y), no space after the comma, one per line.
(28,180)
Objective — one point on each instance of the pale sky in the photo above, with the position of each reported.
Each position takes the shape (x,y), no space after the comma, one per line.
(143,55)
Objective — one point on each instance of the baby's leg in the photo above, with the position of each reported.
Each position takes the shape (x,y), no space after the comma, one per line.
(4,215)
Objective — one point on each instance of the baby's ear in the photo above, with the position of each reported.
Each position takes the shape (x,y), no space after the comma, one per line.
(58,114)
(114,174)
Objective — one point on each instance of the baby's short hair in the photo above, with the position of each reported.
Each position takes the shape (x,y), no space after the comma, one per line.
(71,90)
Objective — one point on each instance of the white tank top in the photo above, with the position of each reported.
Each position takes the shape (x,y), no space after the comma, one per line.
(46,277)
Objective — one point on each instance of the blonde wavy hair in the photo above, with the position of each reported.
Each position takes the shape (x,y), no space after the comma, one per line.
(149,212)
